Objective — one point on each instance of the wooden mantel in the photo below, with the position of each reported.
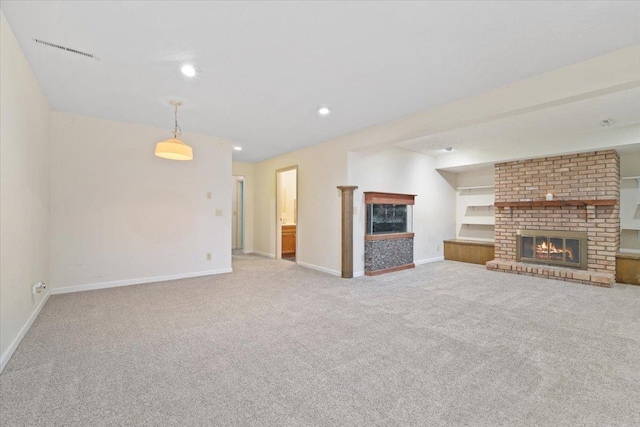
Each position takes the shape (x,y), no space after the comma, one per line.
(556,203)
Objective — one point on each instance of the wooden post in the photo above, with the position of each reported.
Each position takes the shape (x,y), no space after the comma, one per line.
(347,230)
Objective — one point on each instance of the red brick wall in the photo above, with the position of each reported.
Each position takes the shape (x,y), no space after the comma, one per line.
(592,175)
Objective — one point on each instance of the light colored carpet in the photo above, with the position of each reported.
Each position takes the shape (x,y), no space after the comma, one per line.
(276,344)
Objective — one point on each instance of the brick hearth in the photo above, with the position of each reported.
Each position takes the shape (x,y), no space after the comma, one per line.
(584,176)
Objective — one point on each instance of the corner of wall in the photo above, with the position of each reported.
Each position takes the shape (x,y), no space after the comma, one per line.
(26,193)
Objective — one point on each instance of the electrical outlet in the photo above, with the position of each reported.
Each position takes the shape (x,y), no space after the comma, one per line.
(38,288)
(218,212)
(208,256)
(209,196)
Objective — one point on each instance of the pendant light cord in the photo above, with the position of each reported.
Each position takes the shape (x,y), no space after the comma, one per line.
(176,130)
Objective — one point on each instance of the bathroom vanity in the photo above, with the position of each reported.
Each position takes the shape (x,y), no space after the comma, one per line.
(288,241)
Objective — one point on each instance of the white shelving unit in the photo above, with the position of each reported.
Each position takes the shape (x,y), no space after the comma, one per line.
(479,215)
(637,178)
(630,214)
(475,187)
(475,213)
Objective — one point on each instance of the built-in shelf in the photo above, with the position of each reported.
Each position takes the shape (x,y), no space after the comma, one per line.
(479,211)
(475,212)
(475,187)
(488,220)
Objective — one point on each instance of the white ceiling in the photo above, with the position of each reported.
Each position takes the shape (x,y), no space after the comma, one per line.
(556,125)
(265,67)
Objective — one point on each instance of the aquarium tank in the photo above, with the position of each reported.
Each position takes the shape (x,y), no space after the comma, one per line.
(389,218)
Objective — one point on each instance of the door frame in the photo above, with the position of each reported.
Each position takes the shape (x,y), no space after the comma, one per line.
(239,184)
(278,251)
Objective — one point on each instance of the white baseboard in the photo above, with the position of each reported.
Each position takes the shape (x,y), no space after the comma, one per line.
(428,260)
(140,281)
(264,254)
(358,273)
(318,268)
(14,344)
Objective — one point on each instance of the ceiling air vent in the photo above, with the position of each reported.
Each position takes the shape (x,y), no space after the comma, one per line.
(68,49)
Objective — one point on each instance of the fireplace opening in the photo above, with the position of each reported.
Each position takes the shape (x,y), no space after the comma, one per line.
(568,249)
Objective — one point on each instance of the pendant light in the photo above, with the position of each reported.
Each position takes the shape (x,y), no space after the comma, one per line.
(173,148)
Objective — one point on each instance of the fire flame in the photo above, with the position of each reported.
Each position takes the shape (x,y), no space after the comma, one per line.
(542,250)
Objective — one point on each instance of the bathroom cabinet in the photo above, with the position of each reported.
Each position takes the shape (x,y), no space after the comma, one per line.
(288,241)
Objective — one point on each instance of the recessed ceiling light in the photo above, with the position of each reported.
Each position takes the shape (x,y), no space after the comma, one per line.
(607,123)
(237,148)
(448,149)
(323,111)
(188,70)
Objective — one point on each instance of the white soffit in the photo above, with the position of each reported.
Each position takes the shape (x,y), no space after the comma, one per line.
(264,68)
(560,123)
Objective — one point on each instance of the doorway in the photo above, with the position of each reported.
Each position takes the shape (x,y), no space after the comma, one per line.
(287,213)
(237,217)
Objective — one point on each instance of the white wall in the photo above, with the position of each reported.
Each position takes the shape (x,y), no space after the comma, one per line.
(629,163)
(320,171)
(121,215)
(24,195)
(476,177)
(246,170)
(405,172)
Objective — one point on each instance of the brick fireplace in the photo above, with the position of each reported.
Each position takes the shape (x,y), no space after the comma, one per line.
(584,207)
